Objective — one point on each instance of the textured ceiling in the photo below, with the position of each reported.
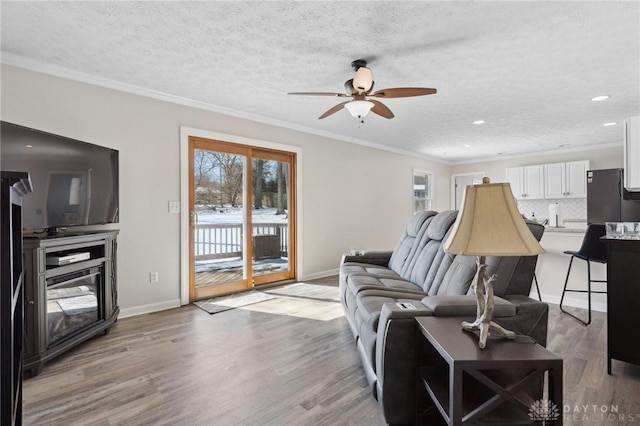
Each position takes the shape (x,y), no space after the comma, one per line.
(528,69)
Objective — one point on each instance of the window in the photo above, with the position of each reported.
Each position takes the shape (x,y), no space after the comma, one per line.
(421,191)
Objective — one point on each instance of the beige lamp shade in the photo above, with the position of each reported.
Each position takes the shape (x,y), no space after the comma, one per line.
(489,224)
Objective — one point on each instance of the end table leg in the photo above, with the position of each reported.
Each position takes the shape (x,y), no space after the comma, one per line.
(555,391)
(455,395)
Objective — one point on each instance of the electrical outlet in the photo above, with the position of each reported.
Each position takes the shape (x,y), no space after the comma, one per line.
(153,277)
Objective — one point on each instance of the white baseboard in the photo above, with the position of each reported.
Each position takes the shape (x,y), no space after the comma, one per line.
(570,301)
(317,275)
(147,309)
(175,303)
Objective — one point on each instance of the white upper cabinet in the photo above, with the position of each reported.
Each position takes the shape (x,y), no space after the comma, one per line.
(577,179)
(527,183)
(566,180)
(555,180)
(514,175)
(632,154)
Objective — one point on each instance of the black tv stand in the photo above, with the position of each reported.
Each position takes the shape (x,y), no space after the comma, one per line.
(70,292)
(13,186)
(53,231)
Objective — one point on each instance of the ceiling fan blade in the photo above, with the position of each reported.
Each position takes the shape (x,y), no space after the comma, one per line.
(403,92)
(348,87)
(333,110)
(342,95)
(381,109)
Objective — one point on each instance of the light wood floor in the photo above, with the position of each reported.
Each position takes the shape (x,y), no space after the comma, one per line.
(245,367)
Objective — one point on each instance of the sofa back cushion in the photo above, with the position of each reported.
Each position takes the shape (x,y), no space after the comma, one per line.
(406,248)
(431,262)
(420,258)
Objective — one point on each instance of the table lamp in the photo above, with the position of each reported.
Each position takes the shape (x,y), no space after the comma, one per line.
(489,224)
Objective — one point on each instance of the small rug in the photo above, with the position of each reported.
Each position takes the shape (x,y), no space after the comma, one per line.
(225,303)
(307,291)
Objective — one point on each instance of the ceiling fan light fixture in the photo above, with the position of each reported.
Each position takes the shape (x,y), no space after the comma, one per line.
(359,108)
(363,80)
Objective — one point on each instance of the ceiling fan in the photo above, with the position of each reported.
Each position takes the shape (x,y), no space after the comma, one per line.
(360,89)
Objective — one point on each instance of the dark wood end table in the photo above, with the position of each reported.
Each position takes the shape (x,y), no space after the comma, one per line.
(500,384)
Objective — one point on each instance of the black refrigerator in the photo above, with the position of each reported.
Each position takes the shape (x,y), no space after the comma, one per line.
(607,200)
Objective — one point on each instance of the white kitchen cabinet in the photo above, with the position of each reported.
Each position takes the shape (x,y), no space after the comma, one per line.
(632,154)
(566,180)
(527,183)
(514,175)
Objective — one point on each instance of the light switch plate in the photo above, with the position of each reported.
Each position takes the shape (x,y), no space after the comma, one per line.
(174,206)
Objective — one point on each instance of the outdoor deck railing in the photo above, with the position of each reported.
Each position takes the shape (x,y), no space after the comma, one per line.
(219,241)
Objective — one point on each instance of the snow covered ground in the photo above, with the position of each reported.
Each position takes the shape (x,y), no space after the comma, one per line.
(235,215)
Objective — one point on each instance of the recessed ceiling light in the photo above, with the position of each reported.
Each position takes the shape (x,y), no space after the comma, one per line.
(466,145)
(600,98)
(609,124)
(29,146)
(478,122)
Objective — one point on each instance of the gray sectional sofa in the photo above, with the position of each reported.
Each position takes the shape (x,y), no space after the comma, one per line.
(382,292)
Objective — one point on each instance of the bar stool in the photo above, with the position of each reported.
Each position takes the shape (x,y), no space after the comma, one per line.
(591,250)
(535,281)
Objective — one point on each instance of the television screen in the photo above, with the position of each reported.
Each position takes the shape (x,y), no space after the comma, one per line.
(74,183)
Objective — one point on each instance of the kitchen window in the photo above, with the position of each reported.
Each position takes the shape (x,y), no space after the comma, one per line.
(421,191)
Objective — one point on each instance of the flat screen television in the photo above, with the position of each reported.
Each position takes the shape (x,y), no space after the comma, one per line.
(75,183)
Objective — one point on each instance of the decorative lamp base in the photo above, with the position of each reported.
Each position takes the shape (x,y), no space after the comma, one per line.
(483,288)
(486,329)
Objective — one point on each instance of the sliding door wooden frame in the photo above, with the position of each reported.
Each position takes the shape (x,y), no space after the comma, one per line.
(196,143)
(259,146)
(290,159)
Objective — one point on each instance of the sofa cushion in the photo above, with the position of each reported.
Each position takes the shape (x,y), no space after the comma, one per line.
(441,224)
(455,306)
(353,268)
(432,264)
(457,278)
(357,283)
(405,251)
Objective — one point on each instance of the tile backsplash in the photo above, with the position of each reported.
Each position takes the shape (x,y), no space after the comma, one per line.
(573,209)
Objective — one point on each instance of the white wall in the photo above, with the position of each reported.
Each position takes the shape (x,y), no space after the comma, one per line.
(352,196)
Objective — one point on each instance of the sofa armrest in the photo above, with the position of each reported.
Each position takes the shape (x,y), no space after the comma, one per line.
(395,360)
(531,319)
(408,309)
(374,257)
(465,305)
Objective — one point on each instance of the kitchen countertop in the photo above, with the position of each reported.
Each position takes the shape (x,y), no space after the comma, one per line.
(564,230)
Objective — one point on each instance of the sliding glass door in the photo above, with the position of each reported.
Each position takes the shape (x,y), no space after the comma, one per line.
(242,220)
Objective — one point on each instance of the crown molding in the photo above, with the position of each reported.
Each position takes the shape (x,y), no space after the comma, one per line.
(29,64)
(545,153)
